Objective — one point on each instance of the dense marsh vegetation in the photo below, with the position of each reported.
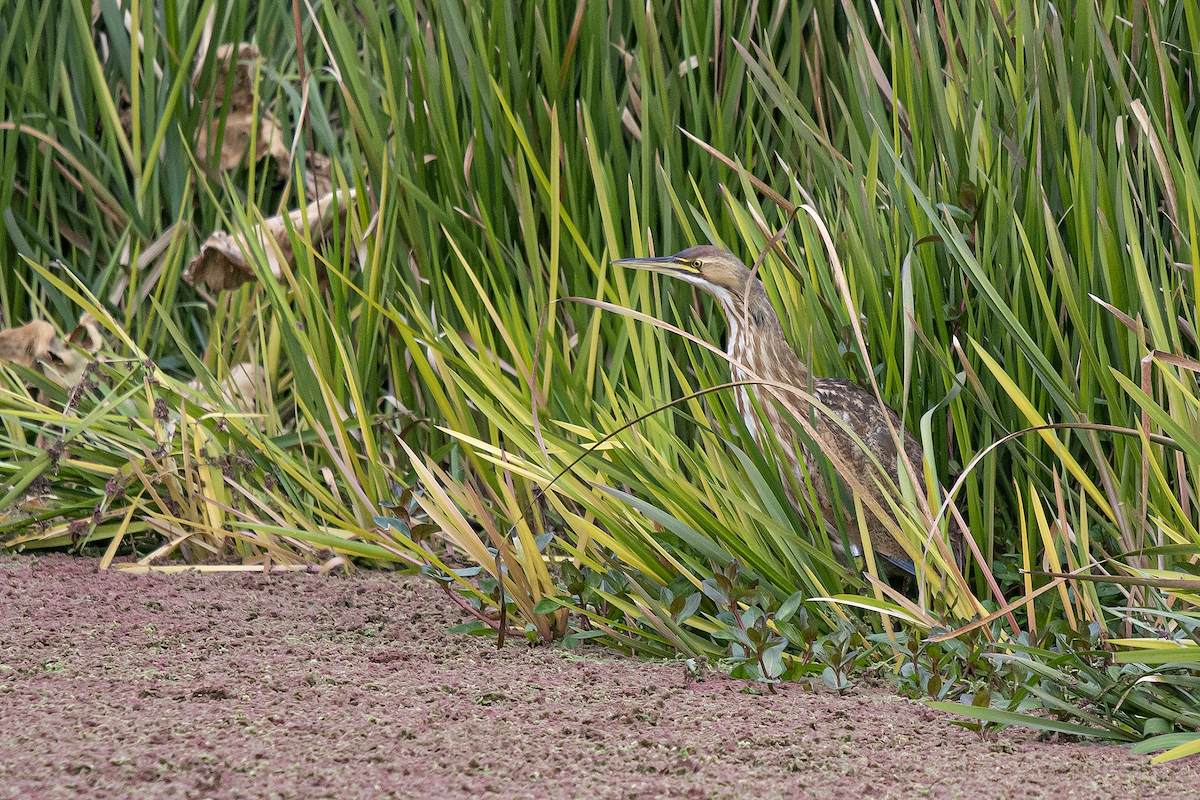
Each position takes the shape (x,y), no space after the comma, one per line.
(986,212)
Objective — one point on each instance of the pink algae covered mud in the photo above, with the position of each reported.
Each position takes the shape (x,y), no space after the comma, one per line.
(305,686)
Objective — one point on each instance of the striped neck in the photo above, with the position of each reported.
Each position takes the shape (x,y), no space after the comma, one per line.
(756,336)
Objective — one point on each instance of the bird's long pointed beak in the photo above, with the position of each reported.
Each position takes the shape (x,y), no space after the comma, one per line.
(666,265)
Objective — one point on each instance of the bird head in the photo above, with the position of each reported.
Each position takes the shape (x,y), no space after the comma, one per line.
(718,272)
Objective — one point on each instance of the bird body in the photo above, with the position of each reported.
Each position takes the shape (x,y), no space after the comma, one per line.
(759,351)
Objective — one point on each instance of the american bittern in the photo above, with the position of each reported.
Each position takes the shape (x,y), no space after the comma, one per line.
(756,341)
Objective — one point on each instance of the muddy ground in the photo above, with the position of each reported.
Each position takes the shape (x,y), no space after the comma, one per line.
(310,686)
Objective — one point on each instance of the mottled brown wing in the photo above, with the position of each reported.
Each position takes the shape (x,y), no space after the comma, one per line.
(869,419)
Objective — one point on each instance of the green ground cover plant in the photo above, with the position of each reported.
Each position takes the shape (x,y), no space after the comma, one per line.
(409,349)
